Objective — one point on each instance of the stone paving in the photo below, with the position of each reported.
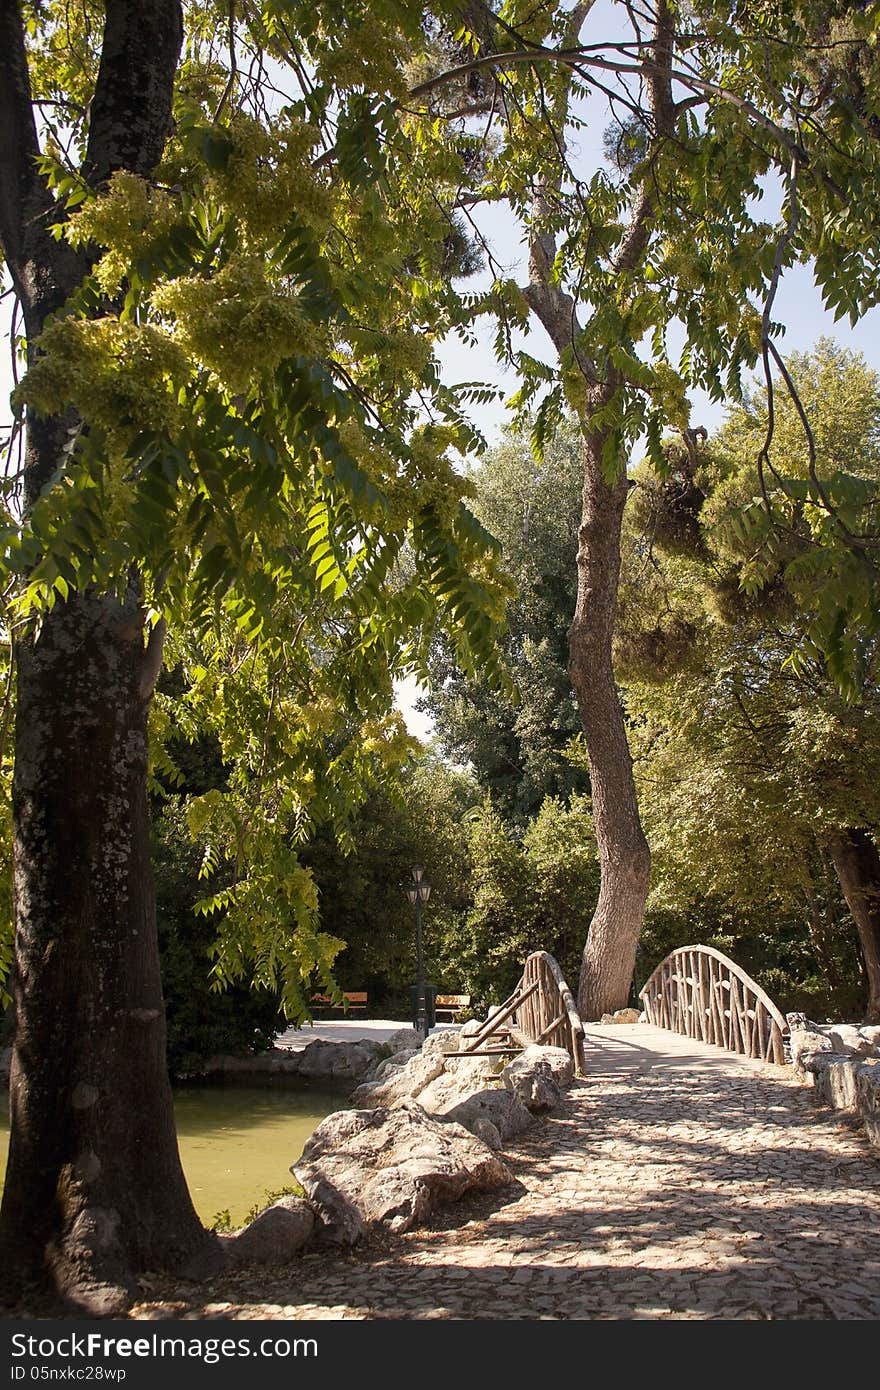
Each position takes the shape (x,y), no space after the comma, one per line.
(679,1182)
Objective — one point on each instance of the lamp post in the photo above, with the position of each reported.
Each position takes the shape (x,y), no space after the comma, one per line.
(418,894)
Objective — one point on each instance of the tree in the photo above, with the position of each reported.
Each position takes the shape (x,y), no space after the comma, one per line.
(669,231)
(516,743)
(227,295)
(757,772)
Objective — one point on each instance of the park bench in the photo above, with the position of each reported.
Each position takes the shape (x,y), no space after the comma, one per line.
(355,1000)
(450,1004)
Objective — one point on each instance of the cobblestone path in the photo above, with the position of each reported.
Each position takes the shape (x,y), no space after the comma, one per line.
(679,1182)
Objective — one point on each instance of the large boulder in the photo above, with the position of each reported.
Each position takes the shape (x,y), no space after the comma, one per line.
(274,1237)
(467,1031)
(344,1061)
(390,1167)
(404,1083)
(391,1065)
(500,1109)
(806,1044)
(538,1076)
(446,1040)
(461,1077)
(404,1040)
(340,1061)
(849,1038)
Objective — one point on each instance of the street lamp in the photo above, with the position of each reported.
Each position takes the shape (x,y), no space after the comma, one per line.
(418,894)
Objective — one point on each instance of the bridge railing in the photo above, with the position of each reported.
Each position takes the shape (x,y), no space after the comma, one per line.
(705,995)
(548,1014)
(541,1009)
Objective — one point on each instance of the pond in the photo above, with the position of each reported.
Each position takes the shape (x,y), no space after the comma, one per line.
(236,1142)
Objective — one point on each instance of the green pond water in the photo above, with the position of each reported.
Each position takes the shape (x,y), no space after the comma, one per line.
(236,1142)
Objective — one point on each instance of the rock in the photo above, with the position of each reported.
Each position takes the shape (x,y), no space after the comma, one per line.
(461,1077)
(467,1031)
(404,1084)
(538,1090)
(835,1080)
(391,1065)
(805,1044)
(625,1016)
(443,1042)
(390,1167)
(502,1109)
(404,1040)
(274,1237)
(556,1058)
(868,1099)
(538,1077)
(847,1038)
(347,1061)
(871,1033)
(485,1130)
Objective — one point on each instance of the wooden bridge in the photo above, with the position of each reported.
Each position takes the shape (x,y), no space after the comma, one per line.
(541,1009)
(703,994)
(695,991)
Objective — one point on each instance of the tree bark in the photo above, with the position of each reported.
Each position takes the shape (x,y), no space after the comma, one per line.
(94,1190)
(610,951)
(857,863)
(609,954)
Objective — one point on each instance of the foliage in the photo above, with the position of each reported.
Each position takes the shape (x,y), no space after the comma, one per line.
(249,360)
(527,894)
(201,1022)
(516,744)
(748,755)
(417,817)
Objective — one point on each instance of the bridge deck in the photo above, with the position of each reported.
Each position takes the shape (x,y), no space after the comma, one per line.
(679,1182)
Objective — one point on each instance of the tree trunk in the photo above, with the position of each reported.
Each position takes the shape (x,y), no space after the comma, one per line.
(855,858)
(610,951)
(94,1189)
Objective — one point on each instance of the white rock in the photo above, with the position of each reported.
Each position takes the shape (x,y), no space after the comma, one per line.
(404,1084)
(502,1109)
(444,1042)
(461,1077)
(807,1043)
(362,1167)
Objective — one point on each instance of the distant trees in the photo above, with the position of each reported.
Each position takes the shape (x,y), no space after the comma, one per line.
(515,739)
(673,232)
(758,774)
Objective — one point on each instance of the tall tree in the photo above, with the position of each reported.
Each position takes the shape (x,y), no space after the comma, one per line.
(224,331)
(758,772)
(669,231)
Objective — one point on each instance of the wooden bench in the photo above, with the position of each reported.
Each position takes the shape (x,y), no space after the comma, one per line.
(450,1004)
(354,1000)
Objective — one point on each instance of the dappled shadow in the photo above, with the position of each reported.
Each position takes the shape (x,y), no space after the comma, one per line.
(687,1188)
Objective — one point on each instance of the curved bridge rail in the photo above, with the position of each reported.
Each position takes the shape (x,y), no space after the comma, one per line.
(703,994)
(541,1009)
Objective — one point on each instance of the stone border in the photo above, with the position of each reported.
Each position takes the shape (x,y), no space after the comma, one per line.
(842,1064)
